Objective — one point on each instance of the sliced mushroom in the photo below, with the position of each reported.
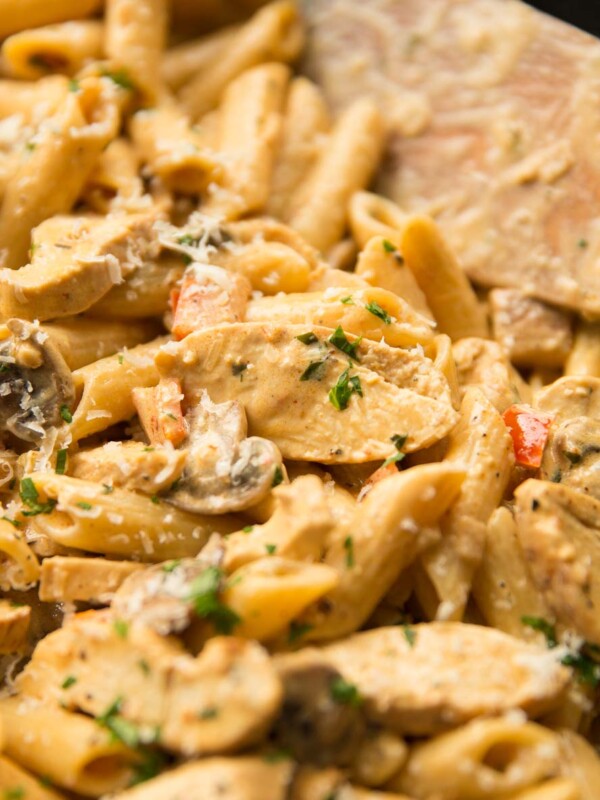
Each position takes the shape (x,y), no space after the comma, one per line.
(224,470)
(35,382)
(310,399)
(222,701)
(313,726)
(559,531)
(443,674)
(160,595)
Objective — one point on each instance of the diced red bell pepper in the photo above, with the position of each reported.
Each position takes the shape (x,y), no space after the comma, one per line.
(529,430)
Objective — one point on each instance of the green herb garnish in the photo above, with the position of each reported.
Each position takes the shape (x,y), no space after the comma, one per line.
(66,414)
(338,339)
(399,441)
(542,626)
(277,477)
(315,371)
(345,693)
(204,595)
(307,338)
(340,394)
(61,462)
(375,309)
(349,548)
(30,497)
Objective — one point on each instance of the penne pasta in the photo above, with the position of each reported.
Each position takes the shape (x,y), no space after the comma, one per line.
(71,750)
(64,48)
(135,36)
(88,517)
(274,33)
(319,207)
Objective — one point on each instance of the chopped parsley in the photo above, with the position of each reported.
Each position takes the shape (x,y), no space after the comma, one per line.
(170,566)
(121,729)
(271,549)
(588,671)
(375,309)
(107,488)
(120,358)
(307,338)
(345,693)
(14,793)
(84,505)
(338,339)
(188,240)
(210,712)
(297,630)
(30,497)
(120,77)
(144,666)
(349,548)
(73,85)
(582,243)
(388,246)
(61,462)
(340,394)
(69,681)
(274,756)
(14,522)
(239,369)
(4,367)
(121,628)
(277,477)
(542,626)
(248,528)
(347,301)
(410,635)
(66,414)
(315,371)
(399,441)
(204,595)
(155,499)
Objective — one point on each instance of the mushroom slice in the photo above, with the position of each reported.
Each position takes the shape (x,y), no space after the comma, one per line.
(160,595)
(35,382)
(317,401)
(313,726)
(247,778)
(221,701)
(559,531)
(572,455)
(464,671)
(224,470)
